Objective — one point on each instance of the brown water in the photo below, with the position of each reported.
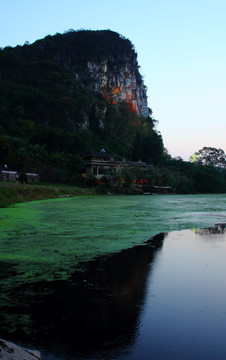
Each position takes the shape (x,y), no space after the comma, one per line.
(163,300)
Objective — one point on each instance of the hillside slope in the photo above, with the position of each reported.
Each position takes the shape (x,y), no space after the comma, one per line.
(71,93)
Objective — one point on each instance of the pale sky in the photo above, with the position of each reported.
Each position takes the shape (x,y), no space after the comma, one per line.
(181,52)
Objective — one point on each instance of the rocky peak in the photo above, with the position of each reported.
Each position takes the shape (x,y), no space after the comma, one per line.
(105,63)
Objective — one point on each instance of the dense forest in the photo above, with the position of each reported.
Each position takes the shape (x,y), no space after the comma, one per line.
(50,117)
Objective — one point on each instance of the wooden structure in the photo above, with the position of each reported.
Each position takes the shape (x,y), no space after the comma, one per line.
(102,164)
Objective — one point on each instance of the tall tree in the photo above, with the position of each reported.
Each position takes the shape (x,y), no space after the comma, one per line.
(210,156)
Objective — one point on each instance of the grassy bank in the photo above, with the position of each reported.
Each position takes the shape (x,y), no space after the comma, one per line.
(11,193)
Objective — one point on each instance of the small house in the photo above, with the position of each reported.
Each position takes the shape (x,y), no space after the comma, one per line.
(13,176)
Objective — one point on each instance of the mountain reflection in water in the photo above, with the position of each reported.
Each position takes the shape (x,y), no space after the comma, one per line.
(163,300)
(96,313)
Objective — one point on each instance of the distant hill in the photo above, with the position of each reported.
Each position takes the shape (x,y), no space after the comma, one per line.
(71,93)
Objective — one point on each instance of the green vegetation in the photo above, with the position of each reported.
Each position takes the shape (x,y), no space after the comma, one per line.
(46,240)
(182,176)
(16,193)
(50,118)
(210,156)
(189,177)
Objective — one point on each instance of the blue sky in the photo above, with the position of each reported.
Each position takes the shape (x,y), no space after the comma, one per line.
(181,50)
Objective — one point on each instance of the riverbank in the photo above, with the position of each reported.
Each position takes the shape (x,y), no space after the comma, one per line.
(11,193)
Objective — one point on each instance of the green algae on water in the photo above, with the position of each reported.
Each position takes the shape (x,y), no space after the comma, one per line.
(48,240)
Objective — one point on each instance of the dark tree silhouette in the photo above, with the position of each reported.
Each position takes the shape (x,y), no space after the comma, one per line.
(210,156)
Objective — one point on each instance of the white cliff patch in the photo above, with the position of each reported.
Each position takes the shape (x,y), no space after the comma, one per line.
(117,82)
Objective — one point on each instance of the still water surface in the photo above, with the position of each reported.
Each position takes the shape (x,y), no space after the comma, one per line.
(161,299)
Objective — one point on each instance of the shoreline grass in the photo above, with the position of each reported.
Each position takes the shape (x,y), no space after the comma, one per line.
(11,193)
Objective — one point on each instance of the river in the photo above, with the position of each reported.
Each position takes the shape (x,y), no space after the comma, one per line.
(115,277)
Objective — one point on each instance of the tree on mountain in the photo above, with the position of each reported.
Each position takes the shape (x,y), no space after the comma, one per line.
(210,156)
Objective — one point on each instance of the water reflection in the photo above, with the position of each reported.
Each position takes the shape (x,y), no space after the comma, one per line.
(216,229)
(95,314)
(163,300)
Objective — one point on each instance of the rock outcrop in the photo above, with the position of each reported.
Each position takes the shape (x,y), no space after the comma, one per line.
(10,351)
(117,82)
(68,94)
(104,62)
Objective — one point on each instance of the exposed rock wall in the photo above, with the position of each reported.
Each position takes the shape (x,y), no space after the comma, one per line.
(104,62)
(10,351)
(117,82)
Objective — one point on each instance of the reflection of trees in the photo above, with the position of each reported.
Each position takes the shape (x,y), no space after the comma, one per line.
(216,229)
(97,312)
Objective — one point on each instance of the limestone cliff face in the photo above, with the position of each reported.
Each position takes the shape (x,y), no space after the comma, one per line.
(117,82)
(105,63)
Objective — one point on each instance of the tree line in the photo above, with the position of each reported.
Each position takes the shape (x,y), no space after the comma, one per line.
(49,119)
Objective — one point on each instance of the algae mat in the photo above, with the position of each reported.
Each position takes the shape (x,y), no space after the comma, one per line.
(48,240)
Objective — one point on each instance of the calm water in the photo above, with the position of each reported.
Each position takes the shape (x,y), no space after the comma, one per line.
(164,298)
